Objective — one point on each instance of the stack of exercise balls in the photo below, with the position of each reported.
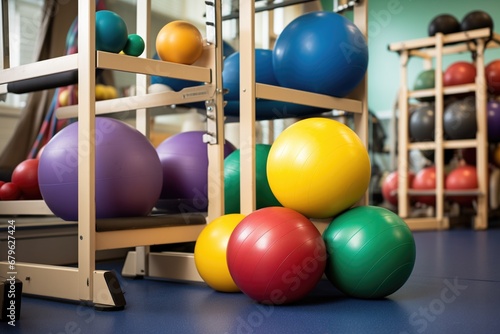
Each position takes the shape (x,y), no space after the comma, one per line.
(316,168)
(128,172)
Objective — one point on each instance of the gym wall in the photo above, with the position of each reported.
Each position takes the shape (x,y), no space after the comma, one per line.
(400,20)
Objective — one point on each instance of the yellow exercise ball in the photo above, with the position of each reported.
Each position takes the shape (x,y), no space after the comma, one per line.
(100,92)
(63,98)
(179,42)
(318,167)
(210,252)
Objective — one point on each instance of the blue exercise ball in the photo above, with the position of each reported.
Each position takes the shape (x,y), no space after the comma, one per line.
(263,72)
(174,83)
(227,49)
(321,52)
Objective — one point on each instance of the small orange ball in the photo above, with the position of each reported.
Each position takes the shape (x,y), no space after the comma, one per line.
(179,42)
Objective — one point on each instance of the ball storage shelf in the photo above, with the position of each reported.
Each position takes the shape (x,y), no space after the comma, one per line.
(434,48)
(101,288)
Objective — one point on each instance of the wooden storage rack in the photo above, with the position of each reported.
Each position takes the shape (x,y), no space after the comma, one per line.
(434,48)
(101,288)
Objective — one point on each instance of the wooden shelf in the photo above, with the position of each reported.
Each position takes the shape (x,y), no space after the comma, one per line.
(118,62)
(35,207)
(447,144)
(306,98)
(39,69)
(430,42)
(450,90)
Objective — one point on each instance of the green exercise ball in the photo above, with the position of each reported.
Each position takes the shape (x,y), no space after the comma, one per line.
(264,195)
(371,252)
(425,80)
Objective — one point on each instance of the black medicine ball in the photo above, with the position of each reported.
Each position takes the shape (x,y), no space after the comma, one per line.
(444,23)
(476,20)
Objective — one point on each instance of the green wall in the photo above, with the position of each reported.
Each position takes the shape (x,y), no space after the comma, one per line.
(400,20)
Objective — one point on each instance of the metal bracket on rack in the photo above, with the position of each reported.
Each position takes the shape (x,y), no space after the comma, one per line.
(211,136)
(211,105)
(341,6)
(210,22)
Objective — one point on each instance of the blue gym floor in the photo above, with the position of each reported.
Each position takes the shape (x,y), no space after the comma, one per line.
(454,288)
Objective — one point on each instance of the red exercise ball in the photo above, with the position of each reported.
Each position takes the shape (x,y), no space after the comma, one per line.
(9,191)
(493,76)
(459,73)
(25,175)
(425,179)
(276,255)
(390,187)
(462,178)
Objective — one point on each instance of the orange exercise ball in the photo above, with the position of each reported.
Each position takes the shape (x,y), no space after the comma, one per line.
(179,42)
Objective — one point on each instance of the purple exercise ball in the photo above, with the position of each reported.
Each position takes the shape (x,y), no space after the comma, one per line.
(128,172)
(184,159)
(493,122)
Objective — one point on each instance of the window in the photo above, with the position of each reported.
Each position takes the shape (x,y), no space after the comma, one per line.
(25,17)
